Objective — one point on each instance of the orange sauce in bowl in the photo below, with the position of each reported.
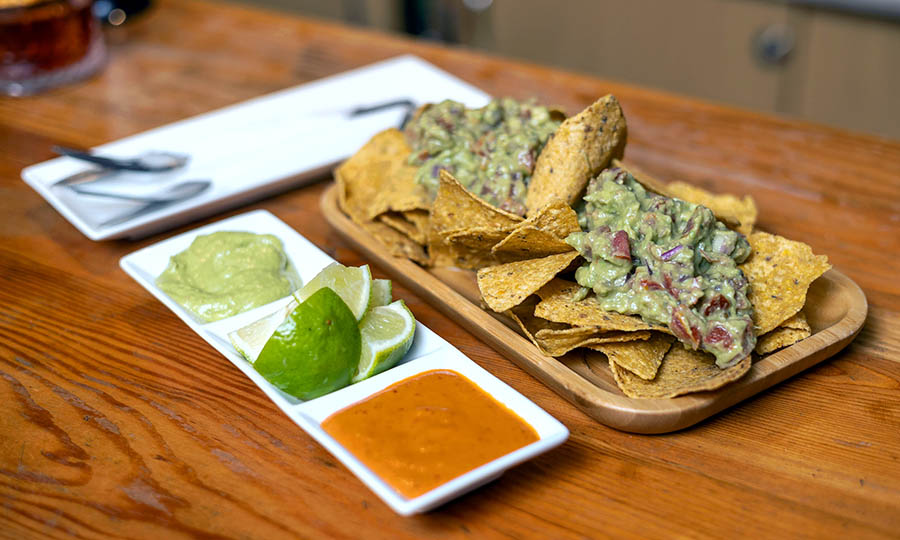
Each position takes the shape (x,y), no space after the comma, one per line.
(427,429)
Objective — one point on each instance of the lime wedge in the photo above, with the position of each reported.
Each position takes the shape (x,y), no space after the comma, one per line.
(315,350)
(381,293)
(387,334)
(352,284)
(250,340)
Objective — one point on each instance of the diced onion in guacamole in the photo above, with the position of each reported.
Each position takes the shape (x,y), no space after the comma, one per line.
(668,261)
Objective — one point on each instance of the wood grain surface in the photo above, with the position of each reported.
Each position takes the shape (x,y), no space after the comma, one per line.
(119,422)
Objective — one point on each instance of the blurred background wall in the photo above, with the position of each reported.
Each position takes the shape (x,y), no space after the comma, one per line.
(835,62)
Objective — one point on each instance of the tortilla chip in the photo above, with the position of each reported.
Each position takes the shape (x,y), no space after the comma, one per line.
(558,342)
(523,314)
(797,322)
(529,243)
(480,238)
(779,339)
(466,248)
(377,179)
(740,213)
(556,218)
(642,358)
(399,222)
(789,332)
(440,255)
(540,235)
(456,207)
(682,371)
(369,184)
(400,196)
(582,146)
(530,324)
(780,272)
(459,255)
(558,305)
(419,218)
(507,285)
(397,243)
(350,205)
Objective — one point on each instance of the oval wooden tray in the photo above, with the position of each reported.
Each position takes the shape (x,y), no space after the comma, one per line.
(835,307)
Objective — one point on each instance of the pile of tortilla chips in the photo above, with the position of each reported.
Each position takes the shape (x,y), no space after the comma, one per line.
(524,266)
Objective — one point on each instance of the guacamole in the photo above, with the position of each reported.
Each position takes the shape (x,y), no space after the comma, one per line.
(226,273)
(491,151)
(668,261)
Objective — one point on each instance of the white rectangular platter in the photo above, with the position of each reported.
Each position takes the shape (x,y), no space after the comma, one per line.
(250,149)
(429,351)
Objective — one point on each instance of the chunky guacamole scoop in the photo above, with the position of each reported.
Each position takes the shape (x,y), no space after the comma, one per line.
(492,151)
(668,261)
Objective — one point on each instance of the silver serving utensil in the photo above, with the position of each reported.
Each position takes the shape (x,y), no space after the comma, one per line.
(166,197)
(83,177)
(152,161)
(174,193)
(148,208)
(406,103)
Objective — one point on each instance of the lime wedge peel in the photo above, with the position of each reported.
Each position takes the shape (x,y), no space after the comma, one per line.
(315,350)
(381,293)
(352,284)
(386,330)
(387,334)
(250,340)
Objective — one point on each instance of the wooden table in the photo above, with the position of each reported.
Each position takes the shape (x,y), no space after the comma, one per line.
(119,421)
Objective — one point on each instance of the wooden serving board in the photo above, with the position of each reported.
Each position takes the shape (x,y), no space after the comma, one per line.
(835,308)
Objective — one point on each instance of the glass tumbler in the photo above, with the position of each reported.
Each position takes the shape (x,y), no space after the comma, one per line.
(47,43)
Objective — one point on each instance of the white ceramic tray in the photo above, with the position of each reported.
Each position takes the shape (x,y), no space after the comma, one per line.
(429,351)
(251,149)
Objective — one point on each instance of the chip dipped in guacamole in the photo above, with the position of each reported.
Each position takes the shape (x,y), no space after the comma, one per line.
(492,151)
(667,260)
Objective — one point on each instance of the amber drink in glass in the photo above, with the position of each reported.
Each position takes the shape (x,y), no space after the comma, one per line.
(47,43)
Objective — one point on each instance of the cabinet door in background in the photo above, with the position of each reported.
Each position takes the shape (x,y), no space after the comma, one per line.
(702,48)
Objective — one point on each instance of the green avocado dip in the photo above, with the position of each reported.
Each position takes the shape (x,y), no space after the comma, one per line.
(668,261)
(226,273)
(491,150)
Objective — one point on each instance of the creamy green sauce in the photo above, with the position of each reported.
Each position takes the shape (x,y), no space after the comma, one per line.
(668,261)
(226,273)
(491,151)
